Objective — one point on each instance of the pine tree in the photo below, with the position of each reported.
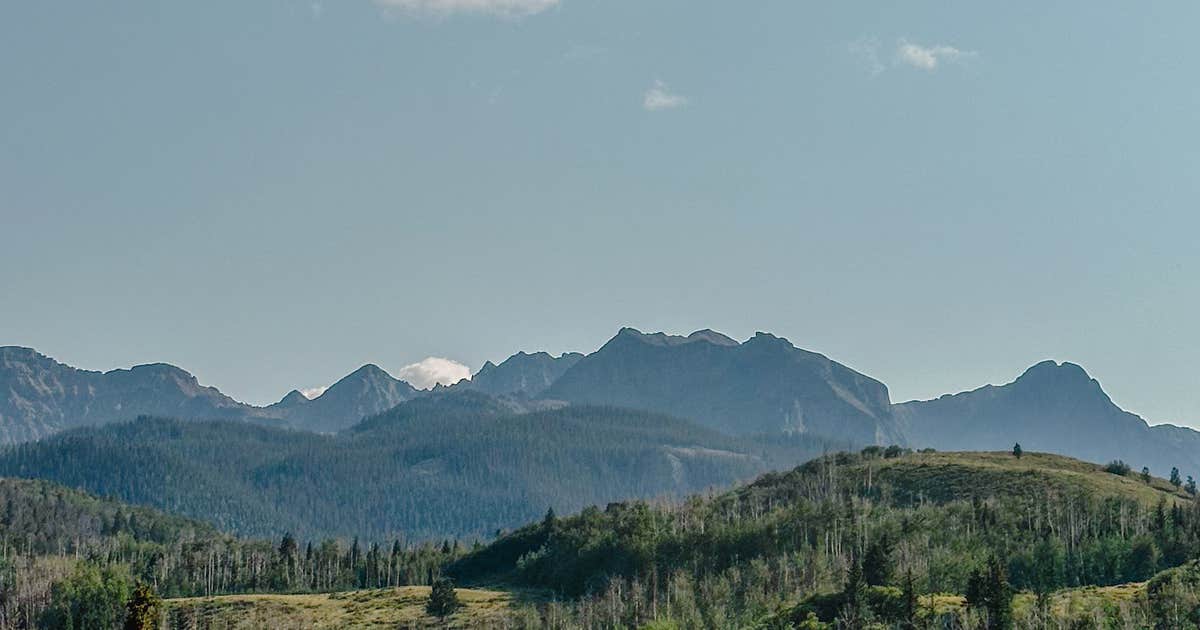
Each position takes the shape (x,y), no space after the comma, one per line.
(1190,486)
(988,590)
(443,600)
(877,563)
(144,610)
(1175,480)
(1145,474)
(999,593)
(1017,452)
(911,604)
(856,611)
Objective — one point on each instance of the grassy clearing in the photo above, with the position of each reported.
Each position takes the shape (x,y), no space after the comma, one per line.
(1067,603)
(951,475)
(384,608)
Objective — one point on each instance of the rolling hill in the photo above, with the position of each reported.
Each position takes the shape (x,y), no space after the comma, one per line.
(796,534)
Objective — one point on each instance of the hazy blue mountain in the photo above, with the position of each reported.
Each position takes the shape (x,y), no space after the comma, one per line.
(455,463)
(40,396)
(522,374)
(364,392)
(764,385)
(1052,407)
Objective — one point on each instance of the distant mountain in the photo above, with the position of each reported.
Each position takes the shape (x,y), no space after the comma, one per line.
(40,397)
(765,385)
(459,463)
(364,392)
(1055,408)
(522,374)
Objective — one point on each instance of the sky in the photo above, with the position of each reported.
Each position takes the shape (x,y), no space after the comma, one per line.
(271,193)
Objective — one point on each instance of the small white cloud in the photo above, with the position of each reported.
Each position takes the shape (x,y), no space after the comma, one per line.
(313,392)
(928,57)
(659,98)
(433,370)
(866,50)
(505,8)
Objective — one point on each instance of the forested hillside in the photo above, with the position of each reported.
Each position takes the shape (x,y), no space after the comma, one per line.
(461,464)
(845,536)
(63,551)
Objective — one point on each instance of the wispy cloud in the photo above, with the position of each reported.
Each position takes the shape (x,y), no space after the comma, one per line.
(505,8)
(659,97)
(313,392)
(431,371)
(929,57)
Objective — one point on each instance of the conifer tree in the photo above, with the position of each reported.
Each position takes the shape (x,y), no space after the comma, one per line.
(911,604)
(1017,452)
(988,590)
(877,563)
(1175,480)
(443,600)
(144,610)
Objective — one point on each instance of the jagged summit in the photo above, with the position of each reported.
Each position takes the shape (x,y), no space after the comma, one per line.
(522,374)
(294,398)
(663,339)
(764,385)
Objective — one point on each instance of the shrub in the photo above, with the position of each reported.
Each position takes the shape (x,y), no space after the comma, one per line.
(1117,467)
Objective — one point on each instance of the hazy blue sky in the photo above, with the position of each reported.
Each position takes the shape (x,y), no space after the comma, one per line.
(270,193)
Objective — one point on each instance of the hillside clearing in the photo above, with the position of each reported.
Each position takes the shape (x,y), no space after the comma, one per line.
(391,608)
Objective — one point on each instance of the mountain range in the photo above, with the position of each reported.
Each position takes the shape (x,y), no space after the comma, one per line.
(40,397)
(757,392)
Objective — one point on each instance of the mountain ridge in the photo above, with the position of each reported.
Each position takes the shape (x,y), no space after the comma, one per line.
(41,396)
(762,385)
(1054,407)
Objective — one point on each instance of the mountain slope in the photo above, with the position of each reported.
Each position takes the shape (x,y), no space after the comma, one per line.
(1051,407)
(765,385)
(40,396)
(522,374)
(365,392)
(458,463)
